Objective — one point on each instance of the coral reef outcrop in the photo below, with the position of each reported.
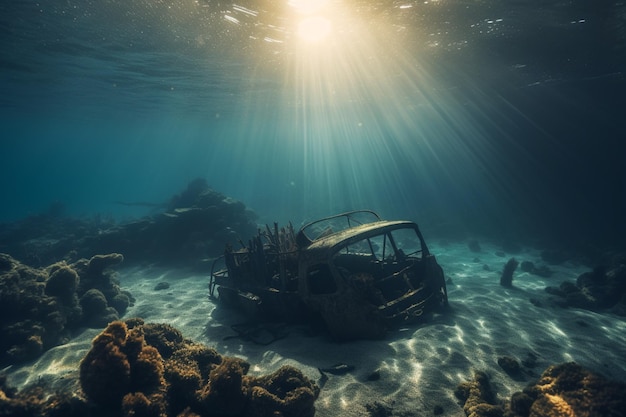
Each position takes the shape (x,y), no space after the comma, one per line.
(191,226)
(122,372)
(40,307)
(151,370)
(478,398)
(570,390)
(563,390)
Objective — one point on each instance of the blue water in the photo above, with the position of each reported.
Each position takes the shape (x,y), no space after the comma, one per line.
(491,117)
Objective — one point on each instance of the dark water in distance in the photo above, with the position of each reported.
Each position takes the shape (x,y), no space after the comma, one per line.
(492,117)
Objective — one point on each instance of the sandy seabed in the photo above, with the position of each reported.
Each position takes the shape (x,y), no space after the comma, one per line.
(416,367)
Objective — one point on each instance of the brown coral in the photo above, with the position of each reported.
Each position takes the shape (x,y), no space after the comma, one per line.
(164,337)
(123,375)
(225,394)
(186,372)
(286,392)
(40,307)
(570,390)
(119,363)
(478,398)
(137,404)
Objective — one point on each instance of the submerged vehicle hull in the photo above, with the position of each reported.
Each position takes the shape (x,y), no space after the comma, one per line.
(359,281)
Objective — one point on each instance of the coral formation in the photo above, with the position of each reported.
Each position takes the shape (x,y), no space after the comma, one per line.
(39,308)
(562,390)
(192,226)
(287,391)
(151,370)
(35,402)
(478,398)
(62,282)
(186,371)
(122,372)
(570,390)
(224,394)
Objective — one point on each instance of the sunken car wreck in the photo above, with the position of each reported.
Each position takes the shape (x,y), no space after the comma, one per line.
(356,273)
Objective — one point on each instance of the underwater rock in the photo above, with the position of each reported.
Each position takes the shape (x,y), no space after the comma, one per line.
(119,367)
(603,289)
(521,403)
(506,279)
(121,301)
(478,398)
(285,392)
(93,302)
(186,371)
(530,361)
(196,224)
(190,196)
(164,337)
(62,283)
(373,376)
(97,273)
(99,263)
(563,390)
(224,393)
(570,390)
(39,307)
(124,372)
(510,365)
(162,286)
(35,402)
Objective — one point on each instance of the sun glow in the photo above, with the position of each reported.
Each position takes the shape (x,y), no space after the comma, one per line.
(314,22)
(356,110)
(314,29)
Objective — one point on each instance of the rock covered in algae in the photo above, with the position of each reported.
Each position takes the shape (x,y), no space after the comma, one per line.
(478,398)
(564,390)
(150,370)
(40,307)
(570,390)
(123,371)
